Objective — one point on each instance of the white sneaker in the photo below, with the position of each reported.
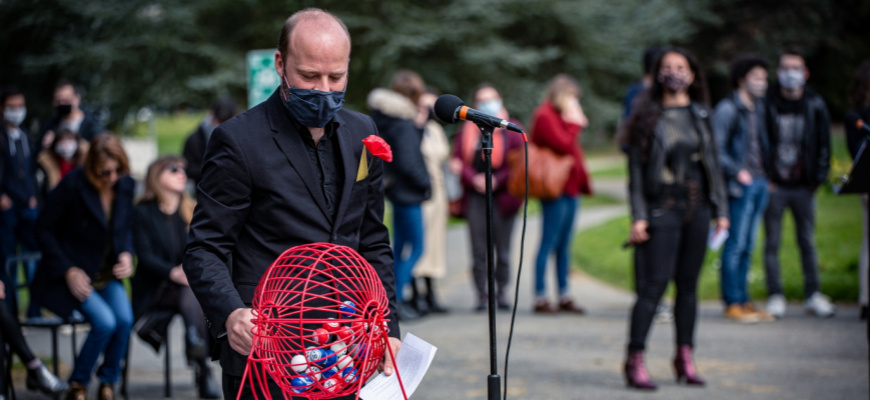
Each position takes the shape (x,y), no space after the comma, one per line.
(776,305)
(820,305)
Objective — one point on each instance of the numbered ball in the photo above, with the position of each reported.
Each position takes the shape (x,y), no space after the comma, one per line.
(345,334)
(320,336)
(327,359)
(329,373)
(344,362)
(331,326)
(299,363)
(331,384)
(339,348)
(348,308)
(349,374)
(300,384)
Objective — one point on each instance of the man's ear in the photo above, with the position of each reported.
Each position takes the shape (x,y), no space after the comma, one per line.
(279,64)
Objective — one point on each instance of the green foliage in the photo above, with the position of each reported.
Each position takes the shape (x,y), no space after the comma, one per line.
(171,53)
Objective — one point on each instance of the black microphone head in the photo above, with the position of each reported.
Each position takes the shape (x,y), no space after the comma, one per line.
(852,119)
(445,108)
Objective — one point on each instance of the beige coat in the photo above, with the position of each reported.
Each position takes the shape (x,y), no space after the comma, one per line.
(436,150)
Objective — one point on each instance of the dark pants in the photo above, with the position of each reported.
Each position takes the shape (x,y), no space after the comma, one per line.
(232,384)
(180,299)
(10,333)
(16,230)
(675,249)
(502,229)
(802,203)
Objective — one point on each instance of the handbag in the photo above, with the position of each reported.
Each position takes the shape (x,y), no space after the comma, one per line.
(548,172)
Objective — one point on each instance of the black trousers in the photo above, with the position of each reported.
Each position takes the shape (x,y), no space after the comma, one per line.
(232,384)
(502,230)
(10,333)
(802,203)
(675,250)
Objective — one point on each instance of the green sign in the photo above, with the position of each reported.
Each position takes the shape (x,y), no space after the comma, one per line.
(262,78)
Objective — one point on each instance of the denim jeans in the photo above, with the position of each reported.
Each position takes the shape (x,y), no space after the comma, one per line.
(407,232)
(109,312)
(737,253)
(556,238)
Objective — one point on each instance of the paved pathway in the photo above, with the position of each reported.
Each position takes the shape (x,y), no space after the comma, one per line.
(570,357)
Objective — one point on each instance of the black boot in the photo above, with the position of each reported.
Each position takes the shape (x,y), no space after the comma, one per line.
(417,301)
(433,305)
(205,382)
(40,378)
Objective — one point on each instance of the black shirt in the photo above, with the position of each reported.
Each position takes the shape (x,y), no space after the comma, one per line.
(325,158)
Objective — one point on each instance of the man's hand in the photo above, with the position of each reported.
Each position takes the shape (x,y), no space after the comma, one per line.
(722,224)
(387,364)
(79,283)
(239,333)
(5,202)
(479,182)
(177,275)
(744,177)
(48,139)
(124,267)
(32,203)
(2,290)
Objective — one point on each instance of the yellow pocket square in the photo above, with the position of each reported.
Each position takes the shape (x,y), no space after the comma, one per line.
(363,171)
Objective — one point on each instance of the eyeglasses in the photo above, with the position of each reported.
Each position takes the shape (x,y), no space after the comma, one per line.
(108,172)
(175,168)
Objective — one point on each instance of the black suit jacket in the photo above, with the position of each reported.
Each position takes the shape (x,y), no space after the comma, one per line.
(19,190)
(259,196)
(72,230)
(194,150)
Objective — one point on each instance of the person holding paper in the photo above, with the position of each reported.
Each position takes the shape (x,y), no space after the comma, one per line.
(675,189)
(282,174)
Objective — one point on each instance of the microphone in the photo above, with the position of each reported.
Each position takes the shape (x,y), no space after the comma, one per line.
(451,109)
(854,120)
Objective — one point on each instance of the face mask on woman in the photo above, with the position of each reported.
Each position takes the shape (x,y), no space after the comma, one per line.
(15,116)
(66,149)
(674,81)
(491,107)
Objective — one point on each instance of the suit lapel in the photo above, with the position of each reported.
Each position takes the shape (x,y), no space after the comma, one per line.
(345,143)
(291,145)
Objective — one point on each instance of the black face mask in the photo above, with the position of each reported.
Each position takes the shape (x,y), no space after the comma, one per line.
(63,109)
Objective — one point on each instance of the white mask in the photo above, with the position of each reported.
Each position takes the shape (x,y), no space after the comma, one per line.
(15,116)
(66,149)
(791,79)
(491,107)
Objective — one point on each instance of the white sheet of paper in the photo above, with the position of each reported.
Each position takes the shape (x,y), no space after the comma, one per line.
(716,240)
(413,361)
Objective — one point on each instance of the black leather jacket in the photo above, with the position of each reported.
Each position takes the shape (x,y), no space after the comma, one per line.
(644,176)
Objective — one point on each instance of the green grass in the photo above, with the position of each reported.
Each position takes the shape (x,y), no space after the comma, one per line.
(597,251)
(172,130)
(620,171)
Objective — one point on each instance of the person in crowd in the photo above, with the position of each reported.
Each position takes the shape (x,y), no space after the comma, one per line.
(38,375)
(467,149)
(69,114)
(675,189)
(859,96)
(19,204)
(66,153)
(85,232)
(160,287)
(799,130)
(741,137)
(194,147)
(558,124)
(406,179)
(282,174)
(635,91)
(432,264)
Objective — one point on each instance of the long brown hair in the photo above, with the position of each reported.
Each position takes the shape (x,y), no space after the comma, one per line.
(105,146)
(645,115)
(154,192)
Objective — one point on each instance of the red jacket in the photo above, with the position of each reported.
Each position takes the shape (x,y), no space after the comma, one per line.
(549,130)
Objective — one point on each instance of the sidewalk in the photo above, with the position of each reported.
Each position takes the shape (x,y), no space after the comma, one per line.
(571,357)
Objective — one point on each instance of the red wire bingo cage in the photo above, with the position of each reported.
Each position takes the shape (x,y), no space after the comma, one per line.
(320,332)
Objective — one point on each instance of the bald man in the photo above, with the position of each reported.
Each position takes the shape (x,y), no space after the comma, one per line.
(283,174)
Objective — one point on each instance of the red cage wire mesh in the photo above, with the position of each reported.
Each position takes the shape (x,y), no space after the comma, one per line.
(320,314)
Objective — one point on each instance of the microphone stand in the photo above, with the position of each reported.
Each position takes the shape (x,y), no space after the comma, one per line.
(493,381)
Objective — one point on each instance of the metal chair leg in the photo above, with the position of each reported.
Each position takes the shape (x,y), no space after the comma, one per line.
(167,372)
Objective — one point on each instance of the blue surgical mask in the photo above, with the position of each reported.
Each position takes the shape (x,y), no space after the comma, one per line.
(491,107)
(313,108)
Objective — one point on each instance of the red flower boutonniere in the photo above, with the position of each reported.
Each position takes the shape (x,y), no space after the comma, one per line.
(379,148)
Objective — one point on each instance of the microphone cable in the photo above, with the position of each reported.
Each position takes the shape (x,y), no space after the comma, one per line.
(519,268)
